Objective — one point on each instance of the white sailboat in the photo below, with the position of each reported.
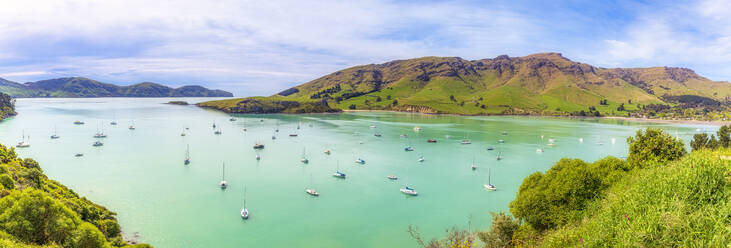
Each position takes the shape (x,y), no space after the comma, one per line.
(223,182)
(187,155)
(473,167)
(304,159)
(217,132)
(489,185)
(114,120)
(466,140)
(98,143)
(540,145)
(337,173)
(421,158)
(99,133)
(311,191)
(131,125)
(23,143)
(244,211)
(406,189)
(55,135)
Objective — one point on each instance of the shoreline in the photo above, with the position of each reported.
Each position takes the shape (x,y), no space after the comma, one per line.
(634,119)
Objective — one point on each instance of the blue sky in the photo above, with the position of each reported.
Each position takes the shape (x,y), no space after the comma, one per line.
(261,47)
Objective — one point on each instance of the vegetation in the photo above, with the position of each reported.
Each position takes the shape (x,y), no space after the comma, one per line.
(659,197)
(84,87)
(178,102)
(7,106)
(538,84)
(38,212)
(260,105)
(702,141)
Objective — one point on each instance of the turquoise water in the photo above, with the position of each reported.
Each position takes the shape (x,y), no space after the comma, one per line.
(140,173)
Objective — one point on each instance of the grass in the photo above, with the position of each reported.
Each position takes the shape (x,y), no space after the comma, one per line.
(684,204)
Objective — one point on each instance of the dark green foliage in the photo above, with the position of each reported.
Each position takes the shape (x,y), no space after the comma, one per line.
(451,98)
(653,147)
(288,92)
(395,102)
(325,93)
(501,231)
(723,136)
(33,217)
(388,97)
(378,99)
(560,195)
(603,102)
(31,163)
(32,177)
(7,181)
(352,106)
(621,107)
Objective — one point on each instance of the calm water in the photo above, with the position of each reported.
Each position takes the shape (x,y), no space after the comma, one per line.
(140,173)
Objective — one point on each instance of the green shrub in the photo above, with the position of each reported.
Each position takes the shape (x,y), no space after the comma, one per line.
(7,181)
(501,231)
(653,147)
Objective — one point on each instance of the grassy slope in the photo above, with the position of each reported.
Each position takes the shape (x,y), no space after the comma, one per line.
(684,204)
(545,84)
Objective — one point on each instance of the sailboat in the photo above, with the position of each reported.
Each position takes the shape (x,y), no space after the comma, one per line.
(98,143)
(421,158)
(304,157)
(245,126)
(258,146)
(474,167)
(78,122)
(327,151)
(392,177)
(311,191)
(23,143)
(277,129)
(337,173)
(99,134)
(182,133)
(258,157)
(500,153)
(540,145)
(232,119)
(214,125)
(489,185)
(466,141)
(114,120)
(360,161)
(406,189)
(55,135)
(244,211)
(298,124)
(409,148)
(217,132)
(131,126)
(187,155)
(223,182)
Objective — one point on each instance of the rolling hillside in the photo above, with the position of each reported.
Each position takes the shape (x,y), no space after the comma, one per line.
(545,83)
(84,87)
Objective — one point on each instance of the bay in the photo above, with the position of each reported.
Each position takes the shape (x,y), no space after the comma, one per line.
(140,173)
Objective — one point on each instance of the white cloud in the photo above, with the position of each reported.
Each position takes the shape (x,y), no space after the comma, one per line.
(23,73)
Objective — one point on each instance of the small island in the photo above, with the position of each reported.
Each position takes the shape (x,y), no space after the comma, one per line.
(178,103)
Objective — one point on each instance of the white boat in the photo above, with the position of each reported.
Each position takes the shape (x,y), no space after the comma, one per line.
(274,137)
(114,120)
(223,182)
(217,132)
(489,185)
(327,151)
(409,191)
(360,161)
(244,211)
(311,191)
(131,125)
(417,128)
(505,133)
(232,119)
(100,135)
(466,142)
(98,143)
(337,173)
(473,167)
(501,141)
(304,159)
(258,157)
(409,148)
(540,145)
(55,135)
(392,177)
(187,155)
(373,126)
(78,122)
(23,143)
(581,140)
(421,159)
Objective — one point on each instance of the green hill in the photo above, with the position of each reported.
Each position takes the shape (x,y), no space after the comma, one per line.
(545,84)
(84,87)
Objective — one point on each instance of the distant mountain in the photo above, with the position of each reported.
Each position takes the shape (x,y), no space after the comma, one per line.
(84,87)
(541,84)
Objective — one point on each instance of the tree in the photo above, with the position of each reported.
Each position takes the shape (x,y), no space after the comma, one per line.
(558,196)
(378,99)
(501,231)
(395,102)
(352,106)
(621,107)
(7,181)
(388,97)
(451,97)
(723,136)
(699,141)
(87,236)
(33,217)
(653,147)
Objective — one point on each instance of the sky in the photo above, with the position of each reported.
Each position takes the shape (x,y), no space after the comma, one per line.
(262,47)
